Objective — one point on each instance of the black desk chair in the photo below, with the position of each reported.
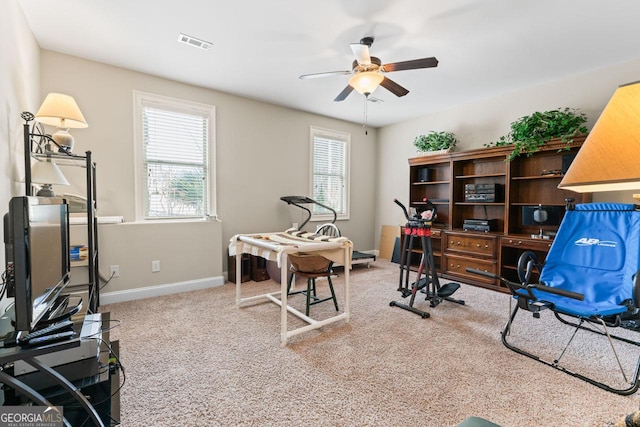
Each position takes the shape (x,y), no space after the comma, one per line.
(311,267)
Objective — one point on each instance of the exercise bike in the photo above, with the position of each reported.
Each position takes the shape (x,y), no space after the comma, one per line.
(419,226)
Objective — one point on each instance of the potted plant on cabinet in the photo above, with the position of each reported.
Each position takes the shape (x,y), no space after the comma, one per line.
(529,133)
(435,142)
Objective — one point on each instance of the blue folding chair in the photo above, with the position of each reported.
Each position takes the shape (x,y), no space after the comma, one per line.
(589,281)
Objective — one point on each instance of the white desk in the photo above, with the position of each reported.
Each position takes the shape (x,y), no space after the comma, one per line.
(277,247)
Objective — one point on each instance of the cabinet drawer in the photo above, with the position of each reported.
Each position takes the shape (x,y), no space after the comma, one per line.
(457,266)
(473,244)
(526,243)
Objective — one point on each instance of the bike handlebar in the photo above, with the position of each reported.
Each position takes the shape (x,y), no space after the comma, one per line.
(430,206)
(406,214)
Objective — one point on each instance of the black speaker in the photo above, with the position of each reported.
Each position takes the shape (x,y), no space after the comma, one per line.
(424,174)
(259,269)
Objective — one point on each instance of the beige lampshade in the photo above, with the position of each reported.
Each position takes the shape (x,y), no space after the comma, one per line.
(609,158)
(47,173)
(366,82)
(61,111)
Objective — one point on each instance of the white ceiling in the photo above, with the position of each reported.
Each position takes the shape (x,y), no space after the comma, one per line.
(260,47)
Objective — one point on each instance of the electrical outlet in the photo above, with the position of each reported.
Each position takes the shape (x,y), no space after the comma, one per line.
(155,266)
(114,271)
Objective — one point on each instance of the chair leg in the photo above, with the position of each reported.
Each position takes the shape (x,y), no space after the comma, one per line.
(309,282)
(333,294)
(290,282)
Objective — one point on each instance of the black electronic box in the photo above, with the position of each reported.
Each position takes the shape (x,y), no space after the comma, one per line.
(482,193)
(480,225)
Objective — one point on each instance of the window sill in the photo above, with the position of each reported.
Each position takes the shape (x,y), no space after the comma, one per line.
(175,220)
(328,218)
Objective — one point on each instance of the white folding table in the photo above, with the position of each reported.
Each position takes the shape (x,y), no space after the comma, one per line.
(277,247)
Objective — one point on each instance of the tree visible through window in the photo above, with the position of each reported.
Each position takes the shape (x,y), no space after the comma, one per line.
(175,158)
(330,172)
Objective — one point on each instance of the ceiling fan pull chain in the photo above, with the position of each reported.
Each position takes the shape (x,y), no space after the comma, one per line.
(364,125)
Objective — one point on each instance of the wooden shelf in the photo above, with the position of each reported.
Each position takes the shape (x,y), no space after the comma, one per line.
(536,204)
(435,202)
(480,203)
(430,182)
(536,177)
(483,175)
(520,183)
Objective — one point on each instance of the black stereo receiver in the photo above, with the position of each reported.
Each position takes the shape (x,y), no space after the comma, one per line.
(480,225)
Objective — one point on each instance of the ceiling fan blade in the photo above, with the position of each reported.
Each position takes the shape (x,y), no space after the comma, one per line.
(393,87)
(345,92)
(327,74)
(410,65)
(361,52)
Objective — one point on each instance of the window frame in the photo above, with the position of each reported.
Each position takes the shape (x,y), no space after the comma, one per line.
(344,137)
(145,99)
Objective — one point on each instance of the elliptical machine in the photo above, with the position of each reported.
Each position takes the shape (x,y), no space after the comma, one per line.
(420,226)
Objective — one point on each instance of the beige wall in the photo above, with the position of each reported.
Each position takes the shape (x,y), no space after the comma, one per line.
(485,121)
(262,154)
(19,91)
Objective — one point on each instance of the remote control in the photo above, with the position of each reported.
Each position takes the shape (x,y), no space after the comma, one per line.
(55,327)
(48,339)
(9,340)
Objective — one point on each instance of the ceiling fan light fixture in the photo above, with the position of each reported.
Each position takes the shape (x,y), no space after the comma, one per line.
(366,82)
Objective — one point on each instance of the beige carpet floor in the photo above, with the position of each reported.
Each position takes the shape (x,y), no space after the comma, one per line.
(195,359)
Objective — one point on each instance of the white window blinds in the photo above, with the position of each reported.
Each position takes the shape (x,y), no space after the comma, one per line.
(330,155)
(175,161)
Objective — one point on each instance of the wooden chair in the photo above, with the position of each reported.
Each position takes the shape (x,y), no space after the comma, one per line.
(311,267)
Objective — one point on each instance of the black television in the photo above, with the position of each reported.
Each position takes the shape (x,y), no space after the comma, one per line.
(36,235)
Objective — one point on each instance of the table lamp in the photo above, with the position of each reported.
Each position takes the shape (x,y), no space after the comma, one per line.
(47,173)
(61,111)
(608,158)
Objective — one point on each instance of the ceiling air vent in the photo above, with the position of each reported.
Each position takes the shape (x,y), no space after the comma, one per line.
(192,41)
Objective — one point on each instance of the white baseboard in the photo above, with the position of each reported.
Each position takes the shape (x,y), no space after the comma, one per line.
(158,290)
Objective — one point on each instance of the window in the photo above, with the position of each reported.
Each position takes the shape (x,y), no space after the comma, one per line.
(330,173)
(174,147)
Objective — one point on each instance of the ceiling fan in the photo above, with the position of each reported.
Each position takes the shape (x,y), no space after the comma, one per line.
(367,71)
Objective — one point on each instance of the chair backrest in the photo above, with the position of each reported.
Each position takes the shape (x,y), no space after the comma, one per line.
(328,229)
(596,252)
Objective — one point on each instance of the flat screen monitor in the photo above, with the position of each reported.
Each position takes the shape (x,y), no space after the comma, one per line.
(37,249)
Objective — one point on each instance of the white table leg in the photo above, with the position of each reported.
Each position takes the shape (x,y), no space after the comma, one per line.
(284,263)
(238,278)
(347,292)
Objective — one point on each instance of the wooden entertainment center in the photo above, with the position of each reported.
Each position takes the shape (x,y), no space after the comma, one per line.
(450,182)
